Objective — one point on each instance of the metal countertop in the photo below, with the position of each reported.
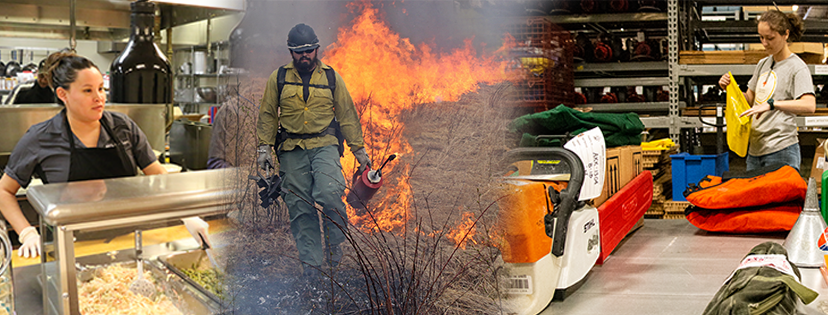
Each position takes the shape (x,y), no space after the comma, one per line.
(28,297)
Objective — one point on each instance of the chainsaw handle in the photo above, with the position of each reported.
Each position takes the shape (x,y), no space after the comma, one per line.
(556,222)
(576,167)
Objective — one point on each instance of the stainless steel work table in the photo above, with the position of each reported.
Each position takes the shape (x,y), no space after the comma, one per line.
(28,295)
(670,267)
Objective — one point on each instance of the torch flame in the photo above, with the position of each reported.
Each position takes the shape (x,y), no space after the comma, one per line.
(386,74)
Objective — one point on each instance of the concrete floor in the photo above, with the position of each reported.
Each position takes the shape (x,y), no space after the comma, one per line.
(671,267)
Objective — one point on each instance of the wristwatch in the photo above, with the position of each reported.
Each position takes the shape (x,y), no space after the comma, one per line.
(770,102)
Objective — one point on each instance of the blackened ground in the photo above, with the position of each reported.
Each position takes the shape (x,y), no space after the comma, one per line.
(264,278)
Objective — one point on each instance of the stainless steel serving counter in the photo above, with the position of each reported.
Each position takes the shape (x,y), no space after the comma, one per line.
(93,205)
(28,293)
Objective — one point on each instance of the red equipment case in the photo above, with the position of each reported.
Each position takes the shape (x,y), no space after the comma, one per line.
(622,211)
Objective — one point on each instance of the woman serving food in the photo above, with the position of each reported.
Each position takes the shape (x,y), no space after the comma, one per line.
(82,142)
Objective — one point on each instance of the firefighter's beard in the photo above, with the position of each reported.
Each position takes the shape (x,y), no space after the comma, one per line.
(305,64)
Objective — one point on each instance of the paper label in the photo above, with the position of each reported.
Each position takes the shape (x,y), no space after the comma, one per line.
(607,90)
(778,262)
(519,285)
(591,149)
(820,69)
(640,37)
(639,90)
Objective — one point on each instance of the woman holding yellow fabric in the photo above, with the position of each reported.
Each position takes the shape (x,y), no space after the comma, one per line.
(781,87)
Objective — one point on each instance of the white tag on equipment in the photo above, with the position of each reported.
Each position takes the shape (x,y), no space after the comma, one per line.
(590,147)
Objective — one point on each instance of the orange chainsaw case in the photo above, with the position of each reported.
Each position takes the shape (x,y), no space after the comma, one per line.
(521,220)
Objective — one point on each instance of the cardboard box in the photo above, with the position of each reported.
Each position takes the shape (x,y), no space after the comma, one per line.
(811,53)
(797,48)
(691,57)
(631,163)
(819,164)
(612,179)
(623,164)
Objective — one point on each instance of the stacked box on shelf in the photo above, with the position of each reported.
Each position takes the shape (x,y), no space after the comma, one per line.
(658,163)
(623,164)
(675,209)
(540,64)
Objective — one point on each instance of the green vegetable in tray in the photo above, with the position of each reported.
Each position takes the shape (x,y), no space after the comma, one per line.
(210,279)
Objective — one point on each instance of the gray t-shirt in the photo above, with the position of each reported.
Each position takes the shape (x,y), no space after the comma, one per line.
(47,143)
(789,80)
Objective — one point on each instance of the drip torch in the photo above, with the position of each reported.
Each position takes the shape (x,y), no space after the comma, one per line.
(365,185)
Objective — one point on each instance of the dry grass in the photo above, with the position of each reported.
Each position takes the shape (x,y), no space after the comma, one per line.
(457,146)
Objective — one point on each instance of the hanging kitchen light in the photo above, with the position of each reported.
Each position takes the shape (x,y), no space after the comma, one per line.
(141,74)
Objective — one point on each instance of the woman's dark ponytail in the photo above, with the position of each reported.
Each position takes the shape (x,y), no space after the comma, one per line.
(61,69)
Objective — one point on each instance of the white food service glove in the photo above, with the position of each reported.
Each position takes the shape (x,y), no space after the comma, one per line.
(31,243)
(196,226)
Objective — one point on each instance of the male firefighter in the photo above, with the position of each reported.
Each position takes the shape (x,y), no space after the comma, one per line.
(305,115)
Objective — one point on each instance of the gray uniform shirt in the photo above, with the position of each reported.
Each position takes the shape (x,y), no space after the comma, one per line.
(47,144)
(788,80)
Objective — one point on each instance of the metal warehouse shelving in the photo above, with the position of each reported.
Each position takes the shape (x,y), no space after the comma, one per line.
(695,33)
(620,74)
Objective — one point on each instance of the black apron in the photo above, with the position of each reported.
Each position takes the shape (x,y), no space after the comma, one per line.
(96,163)
(93,163)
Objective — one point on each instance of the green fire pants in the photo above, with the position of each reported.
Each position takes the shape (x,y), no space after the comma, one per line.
(308,177)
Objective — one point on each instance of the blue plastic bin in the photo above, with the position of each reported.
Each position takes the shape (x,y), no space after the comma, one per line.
(688,168)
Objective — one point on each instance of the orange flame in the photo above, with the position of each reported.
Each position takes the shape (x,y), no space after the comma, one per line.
(386,74)
(465,230)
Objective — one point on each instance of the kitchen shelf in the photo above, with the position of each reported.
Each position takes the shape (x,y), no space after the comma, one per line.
(187,84)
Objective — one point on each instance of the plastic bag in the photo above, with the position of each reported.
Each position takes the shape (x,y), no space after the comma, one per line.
(738,128)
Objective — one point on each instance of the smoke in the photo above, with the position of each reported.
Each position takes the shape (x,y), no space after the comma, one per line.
(259,43)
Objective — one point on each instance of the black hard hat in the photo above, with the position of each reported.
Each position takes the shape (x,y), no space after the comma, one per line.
(301,38)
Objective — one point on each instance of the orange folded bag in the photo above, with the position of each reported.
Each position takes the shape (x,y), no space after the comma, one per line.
(764,186)
(762,219)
